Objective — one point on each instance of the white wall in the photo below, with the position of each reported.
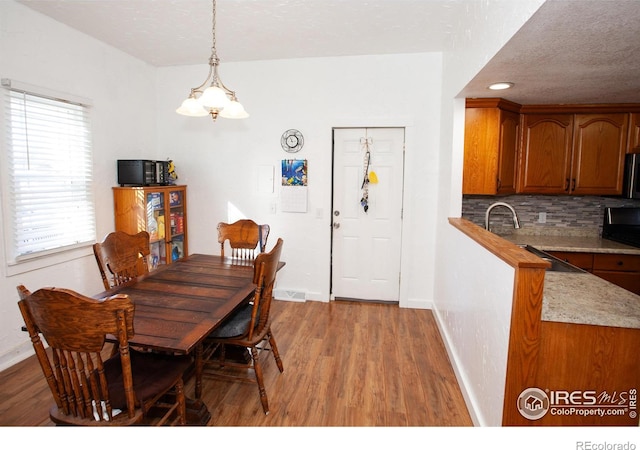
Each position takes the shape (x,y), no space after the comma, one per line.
(219,161)
(475,324)
(41,52)
(473,289)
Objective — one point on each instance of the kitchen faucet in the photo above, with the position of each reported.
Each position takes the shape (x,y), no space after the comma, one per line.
(516,222)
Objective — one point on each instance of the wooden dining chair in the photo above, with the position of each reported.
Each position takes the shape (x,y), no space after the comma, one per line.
(124,389)
(246,238)
(122,257)
(249,328)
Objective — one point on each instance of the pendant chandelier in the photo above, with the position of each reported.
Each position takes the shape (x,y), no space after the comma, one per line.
(216,100)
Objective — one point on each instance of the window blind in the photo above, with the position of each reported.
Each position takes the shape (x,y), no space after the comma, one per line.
(50,175)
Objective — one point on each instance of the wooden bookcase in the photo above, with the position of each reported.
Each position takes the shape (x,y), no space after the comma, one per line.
(160,210)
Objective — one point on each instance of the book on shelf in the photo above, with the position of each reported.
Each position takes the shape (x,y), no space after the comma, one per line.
(180,224)
(154,200)
(160,220)
(177,223)
(177,250)
(175,199)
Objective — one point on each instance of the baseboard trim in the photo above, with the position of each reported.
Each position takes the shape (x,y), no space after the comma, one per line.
(15,355)
(468,398)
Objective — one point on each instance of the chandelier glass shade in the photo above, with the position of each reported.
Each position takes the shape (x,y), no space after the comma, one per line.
(216,100)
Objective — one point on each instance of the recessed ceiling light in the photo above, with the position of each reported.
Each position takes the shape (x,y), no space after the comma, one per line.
(500,86)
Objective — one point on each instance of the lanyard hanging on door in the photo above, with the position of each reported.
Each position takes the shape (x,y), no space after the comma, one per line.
(368,176)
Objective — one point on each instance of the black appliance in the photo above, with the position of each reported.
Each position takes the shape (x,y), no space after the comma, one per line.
(622,225)
(631,187)
(142,172)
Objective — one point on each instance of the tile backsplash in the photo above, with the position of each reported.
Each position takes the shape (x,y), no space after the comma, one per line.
(566,214)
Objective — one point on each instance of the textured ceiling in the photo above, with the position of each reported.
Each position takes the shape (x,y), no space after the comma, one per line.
(177,32)
(578,51)
(570,51)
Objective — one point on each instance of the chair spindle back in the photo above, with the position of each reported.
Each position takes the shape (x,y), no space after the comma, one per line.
(122,257)
(246,238)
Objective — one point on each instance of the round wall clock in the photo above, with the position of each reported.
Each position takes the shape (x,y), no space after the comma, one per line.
(292,141)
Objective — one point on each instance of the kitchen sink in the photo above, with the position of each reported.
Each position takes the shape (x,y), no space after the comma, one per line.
(557,265)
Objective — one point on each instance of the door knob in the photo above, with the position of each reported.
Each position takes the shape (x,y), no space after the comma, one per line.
(336,213)
(336,225)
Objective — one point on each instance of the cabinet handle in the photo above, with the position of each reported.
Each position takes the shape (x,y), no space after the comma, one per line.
(566,185)
(573,186)
(620,263)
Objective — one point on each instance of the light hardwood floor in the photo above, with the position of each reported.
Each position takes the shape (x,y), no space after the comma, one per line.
(345,364)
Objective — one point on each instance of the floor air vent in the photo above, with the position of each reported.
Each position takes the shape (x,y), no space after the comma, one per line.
(282,294)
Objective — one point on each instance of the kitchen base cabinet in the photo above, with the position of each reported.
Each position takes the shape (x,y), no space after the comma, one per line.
(579,259)
(628,280)
(619,269)
(588,365)
(159,210)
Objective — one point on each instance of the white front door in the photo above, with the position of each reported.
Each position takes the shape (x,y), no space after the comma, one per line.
(365,261)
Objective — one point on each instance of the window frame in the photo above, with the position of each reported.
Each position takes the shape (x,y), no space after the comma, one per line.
(14,263)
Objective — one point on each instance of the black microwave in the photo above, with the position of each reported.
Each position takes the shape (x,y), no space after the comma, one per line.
(631,188)
(143,172)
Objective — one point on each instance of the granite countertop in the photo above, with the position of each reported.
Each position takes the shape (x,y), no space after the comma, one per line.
(583,298)
(570,243)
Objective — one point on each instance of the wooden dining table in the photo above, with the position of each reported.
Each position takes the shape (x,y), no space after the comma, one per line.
(178,305)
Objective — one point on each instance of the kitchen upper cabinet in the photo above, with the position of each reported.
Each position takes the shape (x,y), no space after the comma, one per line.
(545,159)
(578,154)
(599,149)
(490,147)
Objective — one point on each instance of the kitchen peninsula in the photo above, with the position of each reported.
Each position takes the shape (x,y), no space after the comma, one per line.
(573,341)
(581,299)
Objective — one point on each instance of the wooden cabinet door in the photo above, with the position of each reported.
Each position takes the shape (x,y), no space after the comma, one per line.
(545,159)
(583,260)
(480,151)
(508,144)
(622,270)
(599,150)
(176,228)
(617,262)
(626,280)
(490,144)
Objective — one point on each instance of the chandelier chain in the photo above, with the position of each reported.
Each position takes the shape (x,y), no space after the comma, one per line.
(213,32)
